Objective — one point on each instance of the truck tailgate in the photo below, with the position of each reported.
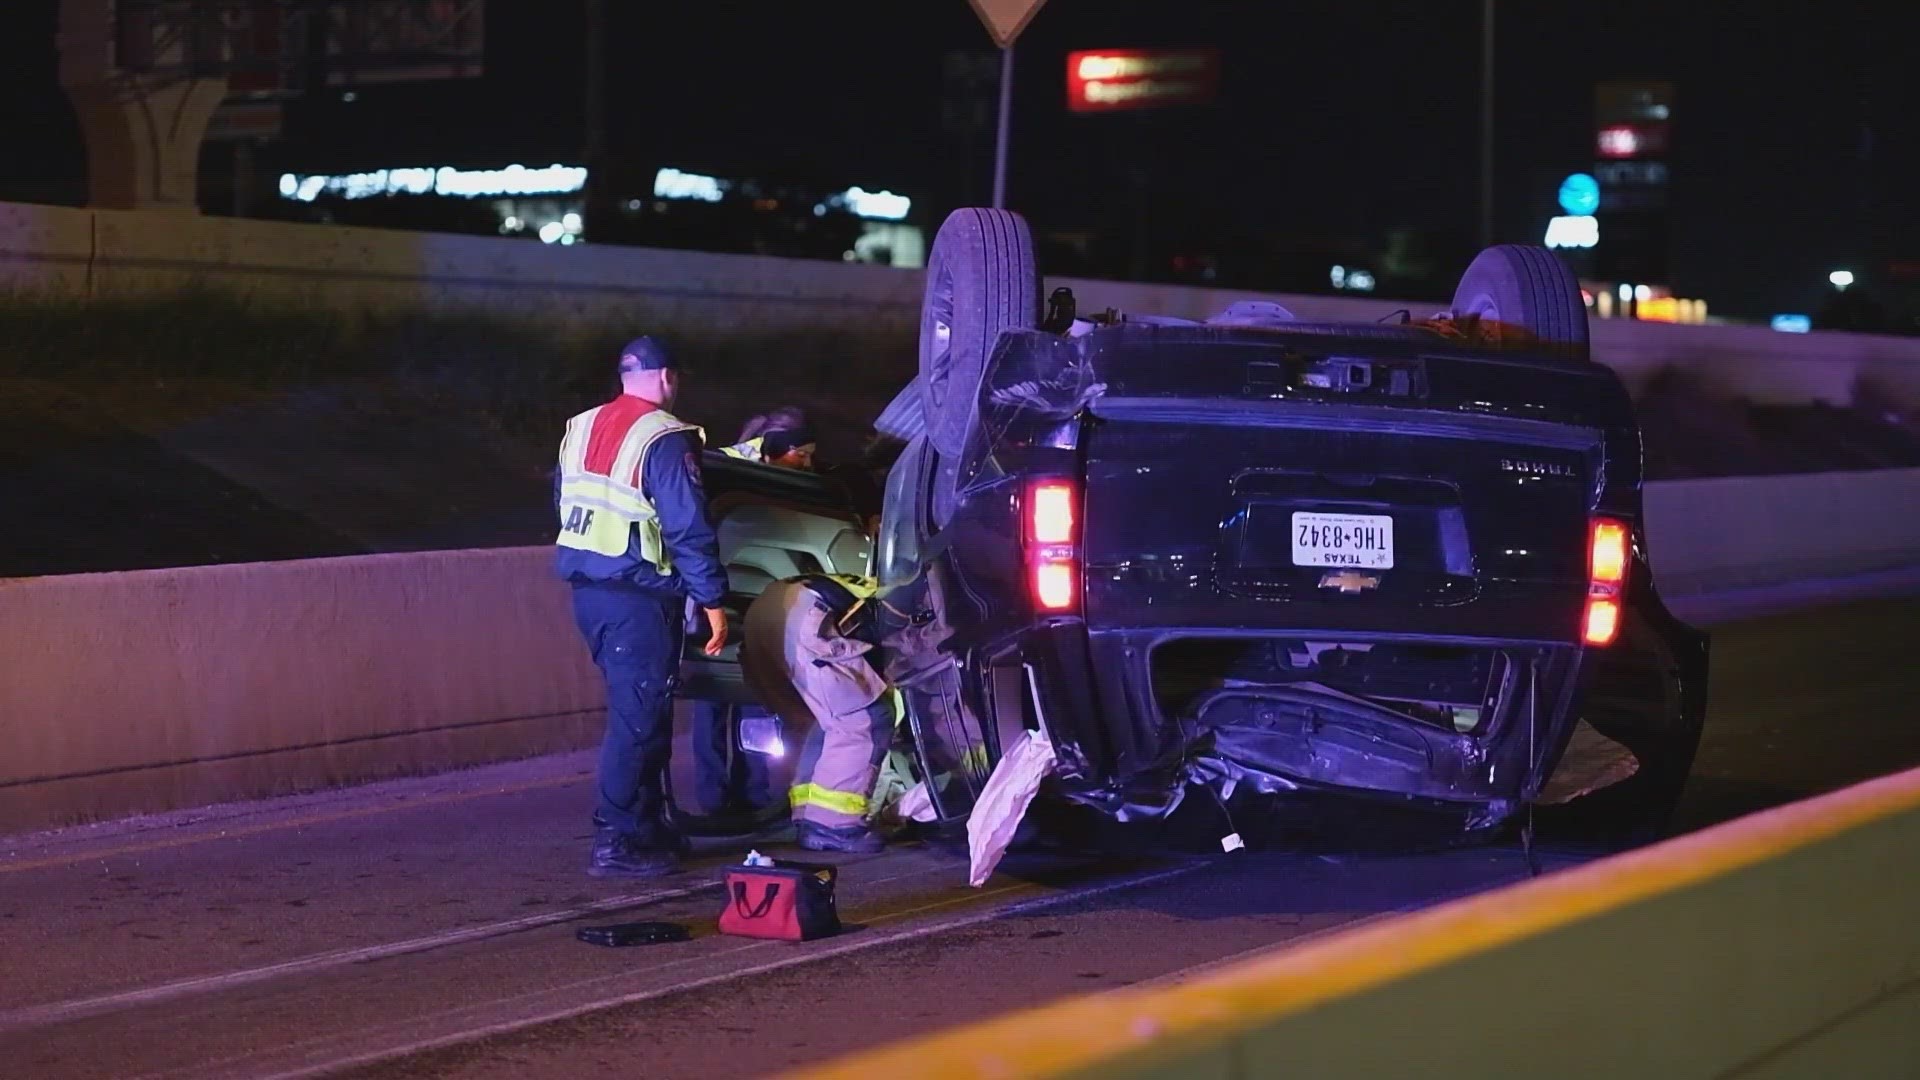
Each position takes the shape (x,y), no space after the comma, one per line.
(1267,516)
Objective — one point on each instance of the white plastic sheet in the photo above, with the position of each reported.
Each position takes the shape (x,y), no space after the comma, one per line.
(917,803)
(1004,801)
(898,799)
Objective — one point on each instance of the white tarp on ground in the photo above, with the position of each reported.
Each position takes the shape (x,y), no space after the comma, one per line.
(1004,801)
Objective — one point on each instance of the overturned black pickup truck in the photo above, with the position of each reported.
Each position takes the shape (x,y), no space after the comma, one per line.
(1304,560)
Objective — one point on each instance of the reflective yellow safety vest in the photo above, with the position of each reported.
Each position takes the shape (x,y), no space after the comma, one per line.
(747,451)
(601,513)
(863,588)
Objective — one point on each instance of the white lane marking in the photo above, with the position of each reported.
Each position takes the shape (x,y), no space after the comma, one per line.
(77,1008)
(858,944)
(80,1008)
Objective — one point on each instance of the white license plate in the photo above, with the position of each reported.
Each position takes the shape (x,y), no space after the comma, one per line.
(1361,540)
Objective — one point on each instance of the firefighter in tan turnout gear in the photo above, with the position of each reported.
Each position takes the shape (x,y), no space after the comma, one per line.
(804,658)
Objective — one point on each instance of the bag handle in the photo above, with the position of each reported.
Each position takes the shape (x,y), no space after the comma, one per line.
(758,911)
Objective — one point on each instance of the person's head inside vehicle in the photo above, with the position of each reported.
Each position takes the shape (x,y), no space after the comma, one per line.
(786,416)
(789,448)
(649,372)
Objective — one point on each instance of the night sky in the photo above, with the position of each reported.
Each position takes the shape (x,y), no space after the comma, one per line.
(1796,147)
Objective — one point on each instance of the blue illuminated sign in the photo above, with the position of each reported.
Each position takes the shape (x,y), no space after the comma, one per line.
(1580,194)
(1792,324)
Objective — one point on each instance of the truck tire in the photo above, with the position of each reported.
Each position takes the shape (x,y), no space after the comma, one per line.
(981,282)
(1525,287)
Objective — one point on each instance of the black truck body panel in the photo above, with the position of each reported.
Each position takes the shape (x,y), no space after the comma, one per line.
(1449,670)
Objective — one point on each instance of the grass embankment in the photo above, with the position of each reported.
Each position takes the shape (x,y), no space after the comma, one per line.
(200,426)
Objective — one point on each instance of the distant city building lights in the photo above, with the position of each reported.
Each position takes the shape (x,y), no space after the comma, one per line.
(1568,231)
(445,180)
(878,205)
(873,205)
(1580,194)
(1353,280)
(674,184)
(1619,141)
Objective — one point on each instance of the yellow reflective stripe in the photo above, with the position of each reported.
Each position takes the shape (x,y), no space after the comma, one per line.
(626,462)
(595,489)
(839,802)
(602,532)
(601,513)
(645,433)
(633,447)
(573,448)
(745,451)
(975,759)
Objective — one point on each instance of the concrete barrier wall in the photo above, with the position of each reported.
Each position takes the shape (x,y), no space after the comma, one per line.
(1740,531)
(155,689)
(98,253)
(1773,946)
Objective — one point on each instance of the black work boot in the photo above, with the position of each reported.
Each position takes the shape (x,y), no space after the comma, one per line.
(620,855)
(850,839)
(660,835)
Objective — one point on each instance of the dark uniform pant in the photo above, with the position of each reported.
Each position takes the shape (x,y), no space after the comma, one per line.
(635,638)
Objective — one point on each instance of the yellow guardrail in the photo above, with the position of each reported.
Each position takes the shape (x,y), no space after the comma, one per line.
(1782,944)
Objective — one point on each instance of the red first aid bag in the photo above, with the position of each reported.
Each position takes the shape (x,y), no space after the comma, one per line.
(784,902)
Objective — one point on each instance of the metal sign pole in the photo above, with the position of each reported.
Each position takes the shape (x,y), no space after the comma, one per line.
(598,185)
(1006,120)
(1486,124)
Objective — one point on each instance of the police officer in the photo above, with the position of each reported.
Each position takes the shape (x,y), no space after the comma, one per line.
(635,544)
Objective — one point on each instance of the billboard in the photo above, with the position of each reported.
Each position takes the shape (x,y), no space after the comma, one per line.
(1632,140)
(274,48)
(1109,80)
(380,41)
(1632,119)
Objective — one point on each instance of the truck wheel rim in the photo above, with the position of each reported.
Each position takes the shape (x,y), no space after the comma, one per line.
(940,315)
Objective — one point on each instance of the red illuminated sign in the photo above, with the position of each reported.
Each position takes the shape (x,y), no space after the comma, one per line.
(1631,140)
(1106,80)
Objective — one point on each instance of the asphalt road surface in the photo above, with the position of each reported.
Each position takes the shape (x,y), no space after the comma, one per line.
(426,927)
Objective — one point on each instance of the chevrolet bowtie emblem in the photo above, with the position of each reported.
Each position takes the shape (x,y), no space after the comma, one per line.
(1349,581)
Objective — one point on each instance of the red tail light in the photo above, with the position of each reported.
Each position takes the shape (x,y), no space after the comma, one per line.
(1053,544)
(1608,557)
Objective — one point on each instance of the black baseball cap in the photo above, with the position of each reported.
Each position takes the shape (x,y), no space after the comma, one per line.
(646,354)
(780,440)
